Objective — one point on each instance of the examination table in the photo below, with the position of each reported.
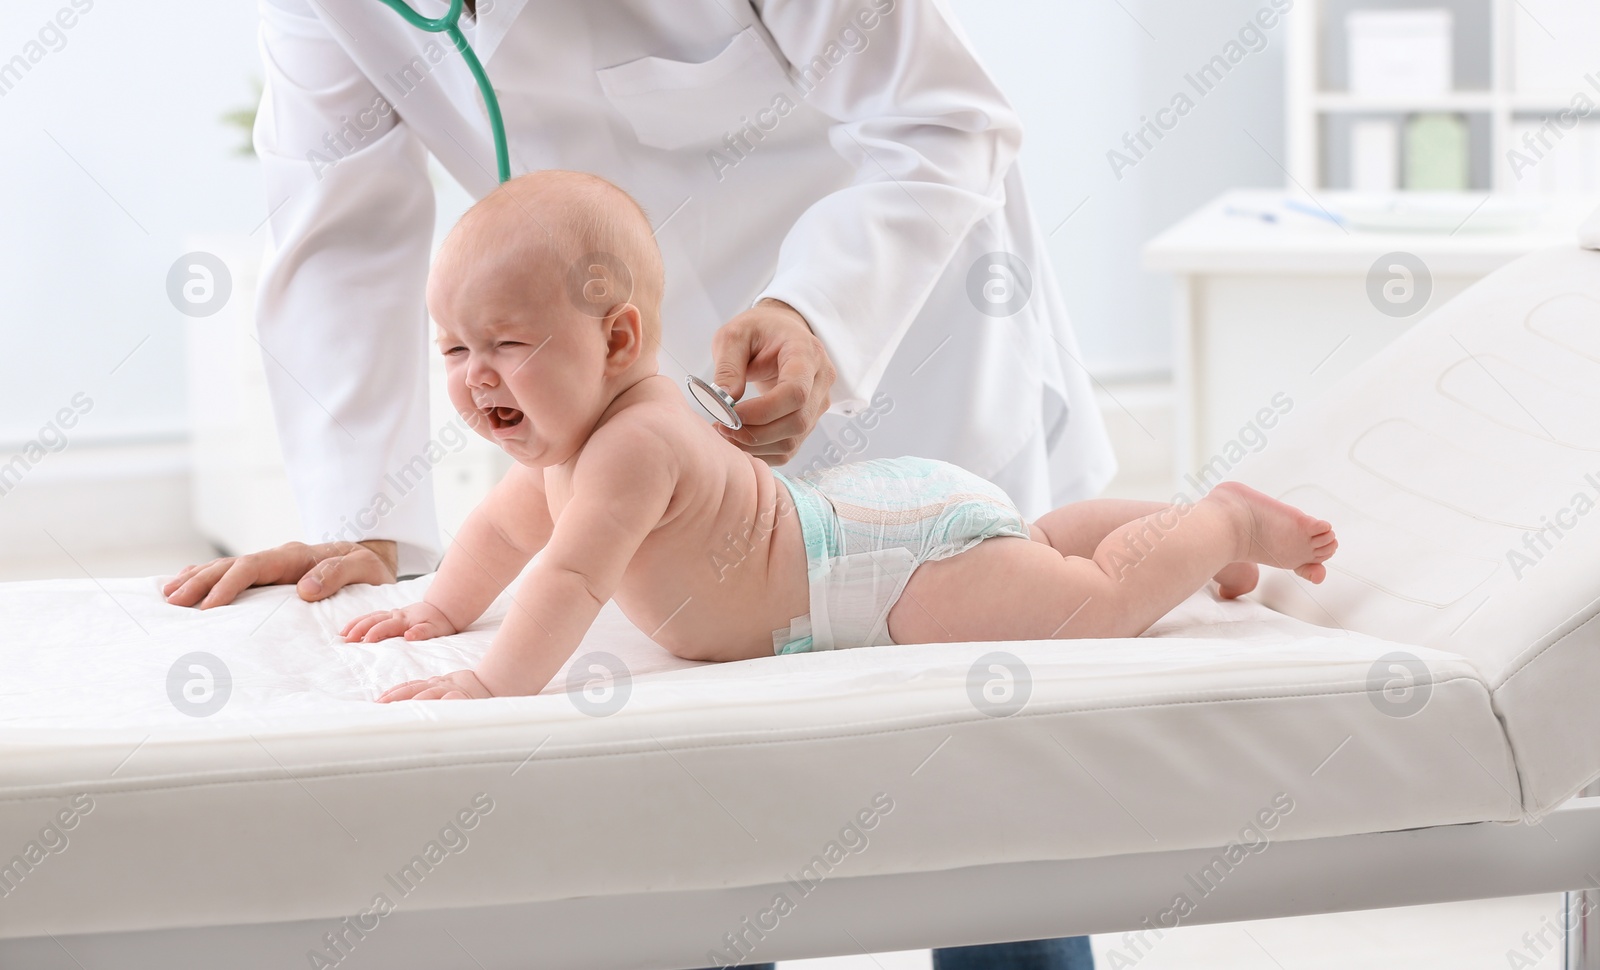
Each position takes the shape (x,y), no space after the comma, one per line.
(217,789)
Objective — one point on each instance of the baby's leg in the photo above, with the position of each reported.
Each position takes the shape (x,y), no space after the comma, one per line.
(1010,589)
(1078,529)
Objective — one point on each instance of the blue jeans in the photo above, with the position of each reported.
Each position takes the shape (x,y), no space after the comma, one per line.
(1072,953)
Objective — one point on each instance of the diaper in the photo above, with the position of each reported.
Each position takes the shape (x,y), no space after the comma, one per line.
(867,526)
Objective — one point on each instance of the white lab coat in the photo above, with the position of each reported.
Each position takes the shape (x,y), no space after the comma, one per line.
(852,159)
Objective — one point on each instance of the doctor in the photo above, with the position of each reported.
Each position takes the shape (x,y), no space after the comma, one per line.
(836,199)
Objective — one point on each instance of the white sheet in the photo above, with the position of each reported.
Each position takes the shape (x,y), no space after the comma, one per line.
(299,796)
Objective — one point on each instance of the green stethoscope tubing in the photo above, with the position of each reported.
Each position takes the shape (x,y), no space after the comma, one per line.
(717,402)
(449,25)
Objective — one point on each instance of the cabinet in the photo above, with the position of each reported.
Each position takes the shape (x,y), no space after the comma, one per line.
(1526,80)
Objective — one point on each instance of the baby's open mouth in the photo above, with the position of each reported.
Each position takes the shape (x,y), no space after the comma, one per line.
(503,417)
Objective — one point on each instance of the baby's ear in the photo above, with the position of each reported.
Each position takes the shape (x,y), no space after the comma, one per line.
(625,336)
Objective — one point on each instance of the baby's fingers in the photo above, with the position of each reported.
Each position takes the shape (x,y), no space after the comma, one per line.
(404,691)
(351,625)
(425,630)
(386,625)
(442,692)
(358,627)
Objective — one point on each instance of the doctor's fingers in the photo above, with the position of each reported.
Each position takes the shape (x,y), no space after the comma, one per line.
(175,583)
(773,429)
(359,565)
(732,346)
(774,437)
(215,583)
(799,376)
(777,453)
(746,347)
(213,566)
(786,393)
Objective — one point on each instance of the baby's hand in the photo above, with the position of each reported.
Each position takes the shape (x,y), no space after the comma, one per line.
(460,685)
(419,621)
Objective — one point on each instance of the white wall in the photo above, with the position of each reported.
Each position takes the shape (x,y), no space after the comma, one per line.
(135,97)
(1082,73)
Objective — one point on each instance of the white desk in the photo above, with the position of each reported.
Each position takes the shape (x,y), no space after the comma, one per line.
(1267,309)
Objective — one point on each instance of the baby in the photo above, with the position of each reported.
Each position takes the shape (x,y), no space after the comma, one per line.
(547,297)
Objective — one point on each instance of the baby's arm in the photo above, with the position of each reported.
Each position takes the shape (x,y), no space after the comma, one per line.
(621,487)
(496,541)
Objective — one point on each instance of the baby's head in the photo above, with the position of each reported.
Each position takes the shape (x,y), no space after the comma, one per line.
(547,296)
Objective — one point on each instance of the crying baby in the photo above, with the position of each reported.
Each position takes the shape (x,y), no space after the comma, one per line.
(547,297)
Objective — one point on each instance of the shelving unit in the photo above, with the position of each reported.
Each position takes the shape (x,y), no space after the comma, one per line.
(1496,112)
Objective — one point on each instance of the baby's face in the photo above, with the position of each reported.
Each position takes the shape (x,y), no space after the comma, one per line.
(525,368)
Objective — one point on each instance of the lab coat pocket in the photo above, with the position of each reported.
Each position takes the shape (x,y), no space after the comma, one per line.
(677,104)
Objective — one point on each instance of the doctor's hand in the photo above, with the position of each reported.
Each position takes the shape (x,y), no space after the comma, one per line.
(317,571)
(771,346)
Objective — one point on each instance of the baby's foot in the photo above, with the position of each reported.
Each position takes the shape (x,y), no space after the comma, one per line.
(1237,579)
(1281,535)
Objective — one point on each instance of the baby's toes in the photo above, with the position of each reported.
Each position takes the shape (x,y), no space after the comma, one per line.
(1312,572)
(1314,531)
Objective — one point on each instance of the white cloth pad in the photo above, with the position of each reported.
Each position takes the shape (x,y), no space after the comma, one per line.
(300,795)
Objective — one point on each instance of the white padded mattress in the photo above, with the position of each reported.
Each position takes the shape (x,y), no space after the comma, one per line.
(300,798)
(1462,467)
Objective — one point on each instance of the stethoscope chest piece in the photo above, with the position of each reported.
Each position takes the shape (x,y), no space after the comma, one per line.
(716,402)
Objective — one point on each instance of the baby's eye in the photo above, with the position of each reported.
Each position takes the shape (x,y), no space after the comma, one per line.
(452,351)
(509,343)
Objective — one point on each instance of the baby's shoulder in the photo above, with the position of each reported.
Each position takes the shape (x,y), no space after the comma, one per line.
(651,416)
(644,431)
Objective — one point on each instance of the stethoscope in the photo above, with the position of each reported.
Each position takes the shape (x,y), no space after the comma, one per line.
(450,25)
(717,402)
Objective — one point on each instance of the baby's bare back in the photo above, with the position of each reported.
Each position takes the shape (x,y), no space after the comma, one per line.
(727,564)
